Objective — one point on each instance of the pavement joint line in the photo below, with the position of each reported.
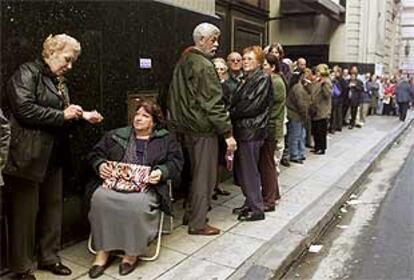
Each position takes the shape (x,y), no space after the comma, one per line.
(259,265)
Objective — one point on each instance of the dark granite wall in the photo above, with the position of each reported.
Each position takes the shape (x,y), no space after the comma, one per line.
(113,35)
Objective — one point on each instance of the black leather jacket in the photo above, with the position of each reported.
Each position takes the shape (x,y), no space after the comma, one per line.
(36,121)
(250,105)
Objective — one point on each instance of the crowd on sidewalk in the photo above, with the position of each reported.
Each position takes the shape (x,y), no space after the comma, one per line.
(247,113)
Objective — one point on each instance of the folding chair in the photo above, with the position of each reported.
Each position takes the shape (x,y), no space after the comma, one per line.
(161,230)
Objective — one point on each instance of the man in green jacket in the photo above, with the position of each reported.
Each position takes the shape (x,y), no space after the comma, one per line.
(197,112)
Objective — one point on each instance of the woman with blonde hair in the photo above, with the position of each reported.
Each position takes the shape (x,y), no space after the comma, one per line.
(40,110)
(320,109)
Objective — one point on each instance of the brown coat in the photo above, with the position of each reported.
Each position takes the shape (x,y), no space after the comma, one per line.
(297,103)
(321,99)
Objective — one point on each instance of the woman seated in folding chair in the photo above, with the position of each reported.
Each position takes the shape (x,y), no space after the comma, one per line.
(124,208)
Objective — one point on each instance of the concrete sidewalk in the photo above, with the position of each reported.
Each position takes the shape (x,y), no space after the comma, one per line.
(311,194)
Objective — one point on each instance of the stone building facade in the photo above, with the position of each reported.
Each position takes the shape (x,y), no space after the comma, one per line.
(365,33)
(407,37)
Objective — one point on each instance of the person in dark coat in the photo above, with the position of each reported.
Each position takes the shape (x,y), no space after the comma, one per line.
(131,227)
(404,94)
(355,93)
(337,100)
(250,112)
(234,62)
(40,111)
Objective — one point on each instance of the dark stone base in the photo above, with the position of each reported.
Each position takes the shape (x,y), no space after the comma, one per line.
(114,35)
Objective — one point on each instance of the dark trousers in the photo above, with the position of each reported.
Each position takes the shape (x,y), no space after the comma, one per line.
(246,162)
(402,110)
(319,132)
(35,220)
(285,154)
(354,111)
(345,107)
(203,153)
(268,174)
(308,131)
(336,117)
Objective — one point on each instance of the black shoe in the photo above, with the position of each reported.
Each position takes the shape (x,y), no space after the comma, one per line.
(269,208)
(239,210)
(302,158)
(56,268)
(251,216)
(320,152)
(297,161)
(339,129)
(24,276)
(285,162)
(98,270)
(126,268)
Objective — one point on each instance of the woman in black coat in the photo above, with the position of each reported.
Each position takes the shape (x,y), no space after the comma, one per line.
(250,112)
(40,110)
(355,91)
(127,221)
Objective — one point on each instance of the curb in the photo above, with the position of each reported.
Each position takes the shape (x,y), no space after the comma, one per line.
(275,257)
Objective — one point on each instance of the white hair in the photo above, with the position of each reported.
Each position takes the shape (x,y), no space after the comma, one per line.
(205,29)
(58,42)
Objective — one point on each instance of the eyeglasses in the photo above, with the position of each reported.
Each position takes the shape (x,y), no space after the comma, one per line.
(234,60)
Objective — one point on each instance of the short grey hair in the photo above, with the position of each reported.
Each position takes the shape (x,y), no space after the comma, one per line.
(205,29)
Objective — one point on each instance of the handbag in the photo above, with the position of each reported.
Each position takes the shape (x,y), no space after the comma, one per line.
(127,177)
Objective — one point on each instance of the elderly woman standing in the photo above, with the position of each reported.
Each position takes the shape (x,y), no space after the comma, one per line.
(40,108)
(129,221)
(249,112)
(267,165)
(321,108)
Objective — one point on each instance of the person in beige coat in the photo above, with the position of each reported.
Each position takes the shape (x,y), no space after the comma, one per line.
(320,108)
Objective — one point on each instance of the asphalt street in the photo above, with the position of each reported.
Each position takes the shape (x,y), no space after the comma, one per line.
(372,236)
(390,255)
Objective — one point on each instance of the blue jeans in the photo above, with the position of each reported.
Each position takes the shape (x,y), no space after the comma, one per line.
(296,140)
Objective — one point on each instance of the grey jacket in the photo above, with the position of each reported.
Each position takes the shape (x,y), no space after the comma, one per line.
(404,92)
(4,143)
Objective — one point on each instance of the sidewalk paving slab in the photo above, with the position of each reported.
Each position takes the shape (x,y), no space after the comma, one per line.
(311,194)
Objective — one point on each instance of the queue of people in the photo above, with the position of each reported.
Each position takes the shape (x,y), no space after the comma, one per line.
(249,112)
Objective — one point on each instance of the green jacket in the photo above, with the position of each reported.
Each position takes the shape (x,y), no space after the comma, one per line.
(195,100)
(277,114)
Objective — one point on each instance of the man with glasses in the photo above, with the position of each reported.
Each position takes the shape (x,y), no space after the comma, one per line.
(234,61)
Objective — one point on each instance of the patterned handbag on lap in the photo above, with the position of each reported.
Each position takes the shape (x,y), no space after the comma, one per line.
(127,177)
